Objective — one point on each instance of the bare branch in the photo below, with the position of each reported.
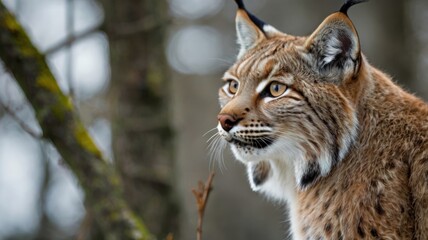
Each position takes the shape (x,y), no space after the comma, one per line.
(143,25)
(72,39)
(69,57)
(20,122)
(126,29)
(201,195)
(170,237)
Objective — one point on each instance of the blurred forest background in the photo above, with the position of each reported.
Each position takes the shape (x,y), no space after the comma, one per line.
(144,75)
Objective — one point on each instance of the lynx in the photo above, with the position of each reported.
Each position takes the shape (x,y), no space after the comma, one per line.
(324,132)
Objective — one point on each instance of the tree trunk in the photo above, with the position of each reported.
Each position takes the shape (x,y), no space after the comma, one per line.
(140,113)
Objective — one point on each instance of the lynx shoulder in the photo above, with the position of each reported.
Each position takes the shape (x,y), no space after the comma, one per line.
(323,131)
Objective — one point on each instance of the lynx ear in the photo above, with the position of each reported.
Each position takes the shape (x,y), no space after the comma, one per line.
(250,30)
(335,46)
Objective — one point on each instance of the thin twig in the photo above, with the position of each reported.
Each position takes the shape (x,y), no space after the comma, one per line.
(72,39)
(201,195)
(143,25)
(69,57)
(170,236)
(20,122)
(18,6)
(125,30)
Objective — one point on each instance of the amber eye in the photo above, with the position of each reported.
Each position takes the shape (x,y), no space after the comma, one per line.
(233,86)
(276,89)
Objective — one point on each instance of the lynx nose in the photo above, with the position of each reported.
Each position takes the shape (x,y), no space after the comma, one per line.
(227,121)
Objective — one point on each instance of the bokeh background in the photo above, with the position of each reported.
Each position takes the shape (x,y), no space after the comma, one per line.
(144,75)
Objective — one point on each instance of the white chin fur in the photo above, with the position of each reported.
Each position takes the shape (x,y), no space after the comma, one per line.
(254,156)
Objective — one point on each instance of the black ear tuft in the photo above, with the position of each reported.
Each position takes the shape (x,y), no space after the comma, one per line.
(259,23)
(250,29)
(348,4)
(240,4)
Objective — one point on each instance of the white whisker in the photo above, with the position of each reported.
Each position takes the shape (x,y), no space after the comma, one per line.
(216,146)
(213,129)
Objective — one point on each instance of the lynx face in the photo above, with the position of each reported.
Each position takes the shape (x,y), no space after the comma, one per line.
(287,98)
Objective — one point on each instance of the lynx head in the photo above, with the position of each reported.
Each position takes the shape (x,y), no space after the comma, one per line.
(291,98)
